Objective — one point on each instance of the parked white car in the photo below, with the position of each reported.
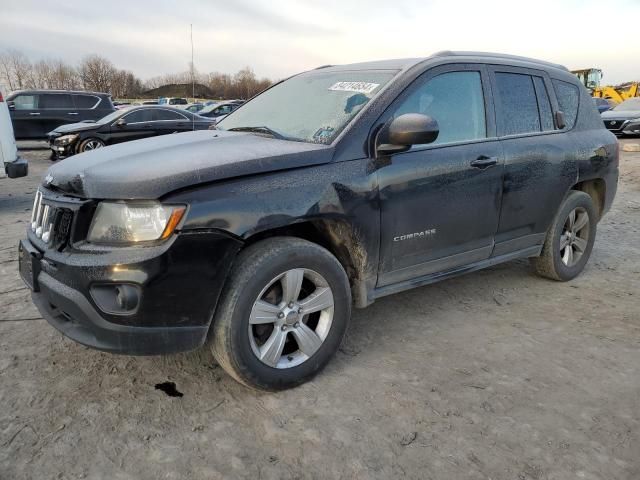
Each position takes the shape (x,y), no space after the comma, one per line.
(11,164)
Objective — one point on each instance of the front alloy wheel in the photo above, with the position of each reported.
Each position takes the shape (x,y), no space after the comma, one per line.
(291,318)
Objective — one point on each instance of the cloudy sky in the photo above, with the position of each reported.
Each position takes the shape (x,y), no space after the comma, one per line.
(280,37)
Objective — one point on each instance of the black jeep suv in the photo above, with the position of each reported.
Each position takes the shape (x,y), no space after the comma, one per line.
(332,188)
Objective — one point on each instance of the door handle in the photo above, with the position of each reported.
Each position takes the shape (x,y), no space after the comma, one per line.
(34,114)
(483,162)
(72,113)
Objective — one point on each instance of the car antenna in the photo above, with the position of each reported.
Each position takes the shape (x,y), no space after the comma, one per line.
(193,82)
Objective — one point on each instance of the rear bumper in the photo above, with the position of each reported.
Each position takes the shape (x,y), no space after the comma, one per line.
(16,169)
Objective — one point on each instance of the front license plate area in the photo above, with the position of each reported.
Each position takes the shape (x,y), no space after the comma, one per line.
(29,264)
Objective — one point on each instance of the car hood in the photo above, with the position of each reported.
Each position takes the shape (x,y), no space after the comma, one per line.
(620,114)
(75,127)
(151,168)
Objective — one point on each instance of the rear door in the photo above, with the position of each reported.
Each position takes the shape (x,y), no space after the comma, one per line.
(169,121)
(440,202)
(25,115)
(540,159)
(55,109)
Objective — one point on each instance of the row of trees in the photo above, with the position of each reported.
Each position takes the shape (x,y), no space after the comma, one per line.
(100,74)
(243,84)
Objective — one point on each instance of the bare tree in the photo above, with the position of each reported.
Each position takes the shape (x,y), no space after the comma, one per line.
(96,73)
(15,69)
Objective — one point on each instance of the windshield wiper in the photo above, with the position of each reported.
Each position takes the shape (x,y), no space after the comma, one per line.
(266,130)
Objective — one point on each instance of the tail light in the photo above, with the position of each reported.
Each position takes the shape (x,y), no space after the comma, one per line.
(1,99)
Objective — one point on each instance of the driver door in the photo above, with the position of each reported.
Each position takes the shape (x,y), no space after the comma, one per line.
(440,202)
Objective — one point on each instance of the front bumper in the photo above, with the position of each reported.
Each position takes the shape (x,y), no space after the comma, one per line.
(179,284)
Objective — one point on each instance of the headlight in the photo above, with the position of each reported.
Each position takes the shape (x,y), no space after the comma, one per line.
(66,139)
(127,223)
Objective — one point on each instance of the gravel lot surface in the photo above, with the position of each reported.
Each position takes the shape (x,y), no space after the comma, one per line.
(495,375)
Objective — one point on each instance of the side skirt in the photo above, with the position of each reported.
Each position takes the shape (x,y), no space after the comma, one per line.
(436,277)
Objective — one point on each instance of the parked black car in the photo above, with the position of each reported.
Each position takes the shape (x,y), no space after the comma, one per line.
(34,113)
(122,126)
(218,109)
(624,118)
(332,188)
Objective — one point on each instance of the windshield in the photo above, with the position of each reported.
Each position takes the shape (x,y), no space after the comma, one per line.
(111,117)
(312,107)
(631,104)
(208,108)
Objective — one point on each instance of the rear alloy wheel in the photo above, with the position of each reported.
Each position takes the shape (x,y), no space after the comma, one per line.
(282,315)
(90,144)
(575,237)
(570,239)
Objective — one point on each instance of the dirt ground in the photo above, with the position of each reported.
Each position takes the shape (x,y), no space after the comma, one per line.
(495,375)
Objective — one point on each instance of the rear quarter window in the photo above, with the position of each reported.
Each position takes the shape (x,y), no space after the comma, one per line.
(568,100)
(85,101)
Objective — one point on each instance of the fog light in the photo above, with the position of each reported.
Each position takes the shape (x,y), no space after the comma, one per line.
(116,299)
(126,297)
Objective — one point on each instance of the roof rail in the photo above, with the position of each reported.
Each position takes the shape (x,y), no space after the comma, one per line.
(501,56)
(323,66)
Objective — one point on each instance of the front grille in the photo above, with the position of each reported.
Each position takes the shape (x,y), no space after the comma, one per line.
(615,125)
(50,223)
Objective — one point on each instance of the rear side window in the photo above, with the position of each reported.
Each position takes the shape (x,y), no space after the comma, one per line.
(568,99)
(85,101)
(544,104)
(518,102)
(55,100)
(161,114)
(456,101)
(25,102)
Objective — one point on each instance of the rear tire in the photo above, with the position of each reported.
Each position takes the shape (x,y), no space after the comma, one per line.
(282,315)
(570,239)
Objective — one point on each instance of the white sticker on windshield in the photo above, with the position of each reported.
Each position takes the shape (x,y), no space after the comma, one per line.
(360,87)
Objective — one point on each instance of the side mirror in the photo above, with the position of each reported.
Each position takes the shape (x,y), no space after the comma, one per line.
(11,105)
(121,122)
(407,130)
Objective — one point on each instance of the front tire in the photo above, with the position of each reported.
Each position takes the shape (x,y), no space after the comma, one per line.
(282,315)
(90,144)
(569,240)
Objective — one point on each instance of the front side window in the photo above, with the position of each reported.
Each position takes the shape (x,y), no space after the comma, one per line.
(518,104)
(311,107)
(138,116)
(568,99)
(456,101)
(26,102)
(55,100)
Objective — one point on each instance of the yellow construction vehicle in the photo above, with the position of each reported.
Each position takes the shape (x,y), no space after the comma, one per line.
(591,78)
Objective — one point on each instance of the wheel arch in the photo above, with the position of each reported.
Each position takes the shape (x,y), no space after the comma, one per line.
(339,238)
(596,188)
